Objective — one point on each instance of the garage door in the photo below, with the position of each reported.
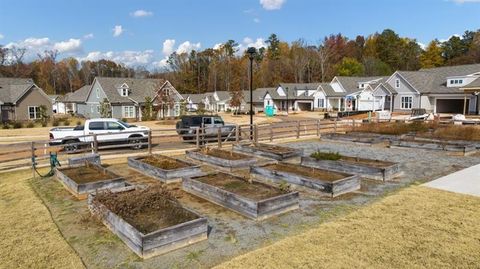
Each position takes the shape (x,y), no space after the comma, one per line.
(451,106)
(304,106)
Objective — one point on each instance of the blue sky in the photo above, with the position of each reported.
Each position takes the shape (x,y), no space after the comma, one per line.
(143,32)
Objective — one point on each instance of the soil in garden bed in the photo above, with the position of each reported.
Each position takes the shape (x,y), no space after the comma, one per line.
(310,172)
(368,162)
(86,174)
(147,210)
(164,162)
(272,148)
(228,155)
(255,190)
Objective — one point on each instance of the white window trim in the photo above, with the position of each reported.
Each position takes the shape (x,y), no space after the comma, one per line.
(397,83)
(97,92)
(401,102)
(35,112)
(124,92)
(131,113)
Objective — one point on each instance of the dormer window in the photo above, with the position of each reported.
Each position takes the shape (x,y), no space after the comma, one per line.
(397,83)
(124,92)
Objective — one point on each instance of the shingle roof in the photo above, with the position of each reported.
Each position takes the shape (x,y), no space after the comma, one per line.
(434,80)
(139,88)
(350,84)
(78,96)
(196,98)
(473,84)
(329,92)
(11,89)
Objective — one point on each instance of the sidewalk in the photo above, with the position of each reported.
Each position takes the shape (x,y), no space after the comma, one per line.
(466,181)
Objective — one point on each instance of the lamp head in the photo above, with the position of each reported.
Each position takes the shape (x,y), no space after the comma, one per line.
(251,51)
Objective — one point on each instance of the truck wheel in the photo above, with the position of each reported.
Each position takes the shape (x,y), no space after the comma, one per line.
(136,142)
(70,146)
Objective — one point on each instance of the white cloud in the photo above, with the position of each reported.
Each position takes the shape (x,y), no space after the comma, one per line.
(444,40)
(217,46)
(88,36)
(117,30)
(141,13)
(129,58)
(70,46)
(1,36)
(187,46)
(249,42)
(465,1)
(33,46)
(422,45)
(168,46)
(273,4)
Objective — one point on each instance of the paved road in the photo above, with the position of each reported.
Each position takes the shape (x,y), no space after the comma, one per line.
(466,181)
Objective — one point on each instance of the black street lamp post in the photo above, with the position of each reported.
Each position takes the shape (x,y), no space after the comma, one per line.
(251,55)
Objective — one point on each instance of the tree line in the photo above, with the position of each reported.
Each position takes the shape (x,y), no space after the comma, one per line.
(225,68)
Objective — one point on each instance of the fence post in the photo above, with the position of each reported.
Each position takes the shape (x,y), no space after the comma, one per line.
(318,127)
(219,137)
(255,133)
(353,124)
(33,158)
(149,141)
(95,143)
(298,129)
(335,127)
(197,136)
(237,133)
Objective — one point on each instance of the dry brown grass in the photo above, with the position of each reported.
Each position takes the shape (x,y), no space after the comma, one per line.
(418,227)
(455,132)
(28,236)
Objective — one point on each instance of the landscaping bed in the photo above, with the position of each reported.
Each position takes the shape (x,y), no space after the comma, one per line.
(368,168)
(370,140)
(163,168)
(221,158)
(330,182)
(87,177)
(93,158)
(278,153)
(149,221)
(252,199)
(453,148)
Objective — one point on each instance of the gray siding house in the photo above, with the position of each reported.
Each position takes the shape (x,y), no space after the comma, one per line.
(127,97)
(20,100)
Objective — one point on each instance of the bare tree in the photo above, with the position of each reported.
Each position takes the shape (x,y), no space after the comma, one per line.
(324,53)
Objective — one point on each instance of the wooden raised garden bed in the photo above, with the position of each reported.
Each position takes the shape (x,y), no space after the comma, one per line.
(253,199)
(93,158)
(330,182)
(148,221)
(221,158)
(373,169)
(163,168)
(453,148)
(88,177)
(275,152)
(372,140)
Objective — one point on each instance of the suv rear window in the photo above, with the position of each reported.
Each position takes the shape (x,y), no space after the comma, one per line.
(96,125)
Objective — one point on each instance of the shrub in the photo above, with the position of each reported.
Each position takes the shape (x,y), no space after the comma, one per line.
(17,125)
(5,126)
(79,122)
(55,122)
(66,122)
(124,119)
(44,123)
(30,124)
(332,156)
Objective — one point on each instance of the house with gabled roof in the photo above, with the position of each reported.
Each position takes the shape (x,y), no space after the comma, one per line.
(127,97)
(75,100)
(21,99)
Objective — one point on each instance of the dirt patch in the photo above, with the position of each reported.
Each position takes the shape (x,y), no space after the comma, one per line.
(223,154)
(147,210)
(310,172)
(272,148)
(252,190)
(87,174)
(164,162)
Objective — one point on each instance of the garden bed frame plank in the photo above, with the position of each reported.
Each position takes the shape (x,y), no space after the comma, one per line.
(388,172)
(257,210)
(196,154)
(453,148)
(81,190)
(251,148)
(164,175)
(334,188)
(155,243)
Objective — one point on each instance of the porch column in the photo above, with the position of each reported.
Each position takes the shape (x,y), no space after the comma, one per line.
(391,103)
(464,104)
(339,104)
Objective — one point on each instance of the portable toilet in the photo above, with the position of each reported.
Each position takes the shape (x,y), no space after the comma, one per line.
(269,111)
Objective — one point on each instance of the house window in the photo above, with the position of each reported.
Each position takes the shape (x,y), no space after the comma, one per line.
(321,102)
(128,111)
(33,112)
(407,102)
(124,92)
(397,83)
(451,81)
(98,93)
(460,81)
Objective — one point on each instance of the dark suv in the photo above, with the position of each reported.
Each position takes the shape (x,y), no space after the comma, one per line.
(208,125)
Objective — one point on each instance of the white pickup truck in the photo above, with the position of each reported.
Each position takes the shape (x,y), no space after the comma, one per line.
(108,131)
